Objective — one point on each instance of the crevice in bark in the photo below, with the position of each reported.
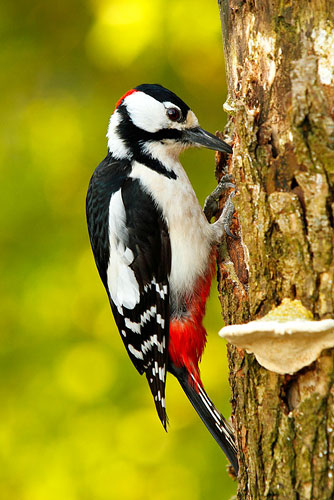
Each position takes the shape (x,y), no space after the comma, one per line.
(294,184)
(305,129)
(284,394)
(293,291)
(293,469)
(274,150)
(260,310)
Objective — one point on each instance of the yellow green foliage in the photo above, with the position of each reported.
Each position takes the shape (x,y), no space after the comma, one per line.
(76,420)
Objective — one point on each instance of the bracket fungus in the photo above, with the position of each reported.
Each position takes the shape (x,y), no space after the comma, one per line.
(285,340)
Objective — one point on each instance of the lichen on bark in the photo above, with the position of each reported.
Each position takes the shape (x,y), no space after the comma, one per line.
(280,71)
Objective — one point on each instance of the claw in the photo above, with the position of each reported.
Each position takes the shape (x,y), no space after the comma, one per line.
(227,215)
(211,205)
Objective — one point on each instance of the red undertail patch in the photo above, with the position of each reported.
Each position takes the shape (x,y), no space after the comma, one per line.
(123,97)
(187,335)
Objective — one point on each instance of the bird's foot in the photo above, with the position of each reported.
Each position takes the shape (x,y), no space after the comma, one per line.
(211,205)
(227,215)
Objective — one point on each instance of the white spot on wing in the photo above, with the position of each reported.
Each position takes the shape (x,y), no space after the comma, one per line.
(161,290)
(162,374)
(134,327)
(137,354)
(147,315)
(160,321)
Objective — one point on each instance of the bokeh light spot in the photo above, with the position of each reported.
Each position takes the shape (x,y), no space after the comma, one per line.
(121,31)
(85,372)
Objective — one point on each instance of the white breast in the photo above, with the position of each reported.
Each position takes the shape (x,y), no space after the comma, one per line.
(190,233)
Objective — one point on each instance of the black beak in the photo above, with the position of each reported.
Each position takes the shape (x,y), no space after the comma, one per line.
(199,137)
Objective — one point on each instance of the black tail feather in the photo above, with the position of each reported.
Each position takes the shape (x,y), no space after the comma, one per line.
(211,417)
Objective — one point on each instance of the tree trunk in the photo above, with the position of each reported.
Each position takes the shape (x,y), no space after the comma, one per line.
(280,71)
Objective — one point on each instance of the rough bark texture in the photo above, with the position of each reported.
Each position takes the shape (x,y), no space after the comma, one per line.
(280,70)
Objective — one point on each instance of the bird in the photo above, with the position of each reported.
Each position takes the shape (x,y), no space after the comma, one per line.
(154,248)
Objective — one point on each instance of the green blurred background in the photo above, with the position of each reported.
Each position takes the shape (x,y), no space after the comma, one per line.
(76,420)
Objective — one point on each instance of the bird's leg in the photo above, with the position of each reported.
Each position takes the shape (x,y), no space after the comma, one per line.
(211,205)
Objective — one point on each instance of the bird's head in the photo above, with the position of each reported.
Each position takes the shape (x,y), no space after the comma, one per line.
(150,117)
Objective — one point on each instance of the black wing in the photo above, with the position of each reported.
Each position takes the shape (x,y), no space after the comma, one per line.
(134,265)
(107,179)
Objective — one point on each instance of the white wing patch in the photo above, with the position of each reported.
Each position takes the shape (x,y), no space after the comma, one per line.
(122,283)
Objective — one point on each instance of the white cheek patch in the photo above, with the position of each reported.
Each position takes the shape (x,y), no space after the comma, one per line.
(151,115)
(146,112)
(122,283)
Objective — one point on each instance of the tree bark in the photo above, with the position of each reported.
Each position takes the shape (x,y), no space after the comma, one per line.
(280,71)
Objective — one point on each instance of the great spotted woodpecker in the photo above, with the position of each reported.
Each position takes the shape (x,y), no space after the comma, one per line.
(153,246)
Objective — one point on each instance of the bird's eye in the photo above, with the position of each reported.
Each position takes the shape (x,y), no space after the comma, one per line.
(173,114)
